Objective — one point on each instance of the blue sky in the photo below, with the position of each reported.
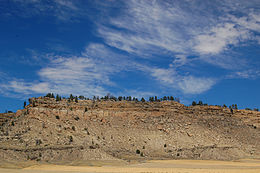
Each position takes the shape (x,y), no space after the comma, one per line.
(192,49)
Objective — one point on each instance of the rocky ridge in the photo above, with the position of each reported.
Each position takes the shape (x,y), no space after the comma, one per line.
(49,130)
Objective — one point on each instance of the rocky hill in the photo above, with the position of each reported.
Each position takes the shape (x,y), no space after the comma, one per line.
(49,130)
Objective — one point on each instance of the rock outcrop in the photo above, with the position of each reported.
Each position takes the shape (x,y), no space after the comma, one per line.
(50,130)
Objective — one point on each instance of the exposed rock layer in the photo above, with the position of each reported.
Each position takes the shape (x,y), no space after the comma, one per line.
(49,130)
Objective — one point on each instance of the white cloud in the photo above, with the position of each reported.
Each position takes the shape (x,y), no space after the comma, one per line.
(87,75)
(78,75)
(258,39)
(147,30)
(219,38)
(147,27)
(20,86)
(179,60)
(195,85)
(166,76)
(65,75)
(63,10)
(246,74)
(152,29)
(250,22)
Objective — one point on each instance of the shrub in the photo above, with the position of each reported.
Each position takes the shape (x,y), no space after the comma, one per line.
(38,142)
(137,151)
(81,97)
(71,138)
(200,103)
(120,98)
(76,118)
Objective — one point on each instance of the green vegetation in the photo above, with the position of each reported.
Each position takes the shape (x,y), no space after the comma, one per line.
(58,98)
(233,106)
(50,95)
(200,103)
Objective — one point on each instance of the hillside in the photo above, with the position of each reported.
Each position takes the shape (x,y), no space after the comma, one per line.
(50,131)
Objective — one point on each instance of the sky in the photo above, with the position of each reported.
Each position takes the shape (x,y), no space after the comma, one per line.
(192,49)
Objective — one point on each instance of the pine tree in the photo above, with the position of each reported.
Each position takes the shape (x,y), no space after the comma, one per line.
(48,95)
(164,98)
(81,97)
(24,104)
(71,97)
(142,99)
(120,98)
(76,99)
(194,103)
(58,98)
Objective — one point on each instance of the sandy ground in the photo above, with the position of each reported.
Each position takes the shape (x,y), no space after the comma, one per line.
(158,166)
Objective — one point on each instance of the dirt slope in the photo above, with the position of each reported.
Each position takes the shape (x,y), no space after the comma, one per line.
(53,131)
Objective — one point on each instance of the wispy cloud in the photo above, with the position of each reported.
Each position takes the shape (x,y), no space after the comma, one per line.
(196,85)
(218,39)
(137,32)
(88,74)
(153,28)
(63,10)
(167,76)
(142,34)
(245,74)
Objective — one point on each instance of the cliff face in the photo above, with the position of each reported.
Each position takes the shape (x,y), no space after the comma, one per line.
(49,130)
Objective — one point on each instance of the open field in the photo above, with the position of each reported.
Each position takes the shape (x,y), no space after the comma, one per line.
(162,166)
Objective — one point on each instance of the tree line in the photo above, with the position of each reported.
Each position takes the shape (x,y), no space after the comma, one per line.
(110,97)
(113,98)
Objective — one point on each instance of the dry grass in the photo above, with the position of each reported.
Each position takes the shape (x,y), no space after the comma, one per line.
(162,166)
